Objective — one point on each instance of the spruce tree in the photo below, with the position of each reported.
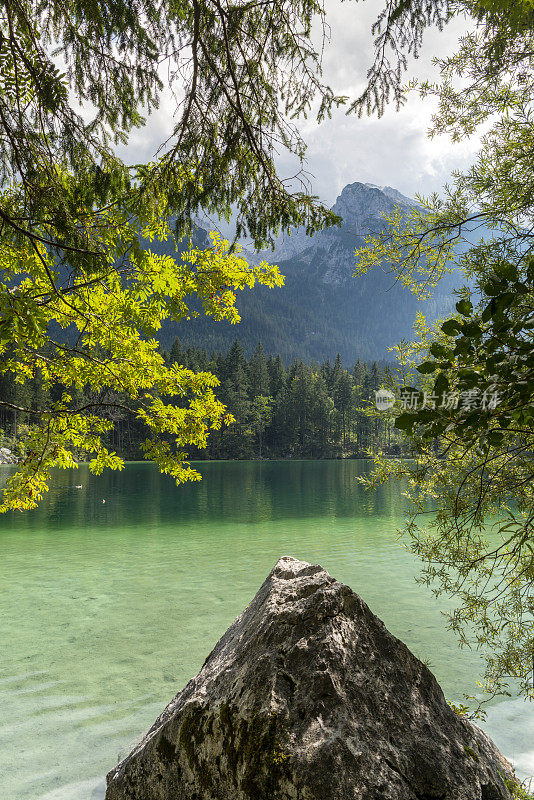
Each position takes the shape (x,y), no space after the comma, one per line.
(343,400)
(258,374)
(234,361)
(277,375)
(359,371)
(176,353)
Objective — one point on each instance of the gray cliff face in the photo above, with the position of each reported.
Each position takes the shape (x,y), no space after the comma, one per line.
(360,205)
(307,696)
(322,309)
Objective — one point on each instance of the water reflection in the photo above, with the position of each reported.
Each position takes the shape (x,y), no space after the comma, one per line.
(233,491)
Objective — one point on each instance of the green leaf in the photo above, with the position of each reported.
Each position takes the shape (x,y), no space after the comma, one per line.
(464,307)
(427,367)
(471,329)
(506,271)
(489,311)
(493,289)
(469,378)
(451,327)
(405,422)
(441,384)
(439,350)
(495,438)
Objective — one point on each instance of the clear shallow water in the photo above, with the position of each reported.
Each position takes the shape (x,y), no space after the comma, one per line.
(108,608)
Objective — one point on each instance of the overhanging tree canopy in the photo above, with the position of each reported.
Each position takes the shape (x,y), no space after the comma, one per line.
(470,380)
(72,214)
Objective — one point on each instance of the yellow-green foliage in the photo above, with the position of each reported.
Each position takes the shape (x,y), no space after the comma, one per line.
(518,790)
(116,310)
(414,249)
(519,14)
(470,485)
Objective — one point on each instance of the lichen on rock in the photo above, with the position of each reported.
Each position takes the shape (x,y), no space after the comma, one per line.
(307,696)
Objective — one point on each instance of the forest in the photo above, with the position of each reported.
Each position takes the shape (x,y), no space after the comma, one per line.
(301,410)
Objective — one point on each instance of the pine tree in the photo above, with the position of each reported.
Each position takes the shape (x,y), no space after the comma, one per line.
(258,374)
(176,353)
(359,372)
(260,416)
(322,409)
(343,400)
(300,397)
(337,371)
(235,360)
(277,375)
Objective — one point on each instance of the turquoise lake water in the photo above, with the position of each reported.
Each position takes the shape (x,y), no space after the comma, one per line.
(112,595)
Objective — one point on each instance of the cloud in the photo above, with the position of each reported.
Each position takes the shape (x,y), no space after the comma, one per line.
(395,149)
(392,150)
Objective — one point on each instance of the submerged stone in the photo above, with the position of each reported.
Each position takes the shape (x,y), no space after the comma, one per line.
(307,696)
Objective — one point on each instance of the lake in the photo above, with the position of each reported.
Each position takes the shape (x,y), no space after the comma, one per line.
(113,594)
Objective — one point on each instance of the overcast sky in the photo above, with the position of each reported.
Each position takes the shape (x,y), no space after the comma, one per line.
(393,150)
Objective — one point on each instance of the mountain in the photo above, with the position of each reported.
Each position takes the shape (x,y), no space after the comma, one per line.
(323,309)
(360,205)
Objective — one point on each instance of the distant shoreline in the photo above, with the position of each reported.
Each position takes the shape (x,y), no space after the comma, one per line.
(249,460)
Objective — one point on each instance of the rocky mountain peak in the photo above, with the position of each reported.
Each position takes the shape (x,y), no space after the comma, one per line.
(322,308)
(399,198)
(361,205)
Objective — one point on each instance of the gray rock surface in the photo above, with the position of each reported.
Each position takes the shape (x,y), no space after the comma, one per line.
(361,206)
(7,457)
(307,696)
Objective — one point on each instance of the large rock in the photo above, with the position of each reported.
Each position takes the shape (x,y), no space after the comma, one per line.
(307,696)
(7,457)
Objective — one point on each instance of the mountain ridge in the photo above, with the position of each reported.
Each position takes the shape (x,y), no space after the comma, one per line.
(323,309)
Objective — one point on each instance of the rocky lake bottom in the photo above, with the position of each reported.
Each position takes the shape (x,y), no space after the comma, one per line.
(112,595)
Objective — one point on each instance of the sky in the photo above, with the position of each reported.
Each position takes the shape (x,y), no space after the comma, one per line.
(393,150)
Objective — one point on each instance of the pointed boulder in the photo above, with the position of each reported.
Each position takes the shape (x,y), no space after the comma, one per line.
(307,696)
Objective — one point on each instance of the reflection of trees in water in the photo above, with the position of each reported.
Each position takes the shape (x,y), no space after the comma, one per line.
(254,491)
(5,472)
(230,491)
